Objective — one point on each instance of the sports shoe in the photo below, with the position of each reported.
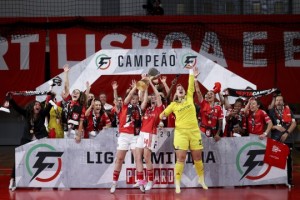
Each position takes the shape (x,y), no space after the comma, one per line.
(202,183)
(177,187)
(149,185)
(142,188)
(113,188)
(12,184)
(138,183)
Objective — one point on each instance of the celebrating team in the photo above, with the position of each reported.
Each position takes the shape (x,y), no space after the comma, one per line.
(81,115)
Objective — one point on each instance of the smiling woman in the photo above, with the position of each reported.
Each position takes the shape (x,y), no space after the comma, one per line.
(73,110)
(34,127)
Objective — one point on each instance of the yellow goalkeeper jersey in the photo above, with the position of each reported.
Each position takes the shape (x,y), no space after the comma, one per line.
(185,111)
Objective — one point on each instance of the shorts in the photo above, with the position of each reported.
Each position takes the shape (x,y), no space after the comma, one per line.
(185,139)
(147,140)
(126,141)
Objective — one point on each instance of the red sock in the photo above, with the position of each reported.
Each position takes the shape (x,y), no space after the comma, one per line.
(140,176)
(116,175)
(150,175)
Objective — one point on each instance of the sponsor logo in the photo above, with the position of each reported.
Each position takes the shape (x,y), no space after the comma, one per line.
(189,59)
(252,161)
(161,176)
(44,162)
(103,61)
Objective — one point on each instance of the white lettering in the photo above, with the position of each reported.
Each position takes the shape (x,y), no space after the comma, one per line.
(25,48)
(62,51)
(90,44)
(106,42)
(177,36)
(290,49)
(137,39)
(3,50)
(249,49)
(211,41)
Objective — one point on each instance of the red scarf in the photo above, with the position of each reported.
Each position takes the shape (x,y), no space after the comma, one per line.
(286,115)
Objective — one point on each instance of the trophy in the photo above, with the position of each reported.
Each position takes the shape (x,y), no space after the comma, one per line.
(142,85)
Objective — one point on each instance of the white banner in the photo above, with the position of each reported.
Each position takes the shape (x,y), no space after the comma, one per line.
(138,61)
(63,163)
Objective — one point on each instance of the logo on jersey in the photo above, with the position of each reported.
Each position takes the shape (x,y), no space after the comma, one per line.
(43,162)
(249,161)
(103,62)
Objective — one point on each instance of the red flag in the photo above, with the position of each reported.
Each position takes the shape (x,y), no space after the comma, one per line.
(276,153)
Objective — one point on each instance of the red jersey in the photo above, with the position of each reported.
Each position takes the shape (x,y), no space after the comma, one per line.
(210,115)
(130,119)
(97,123)
(171,120)
(151,120)
(257,121)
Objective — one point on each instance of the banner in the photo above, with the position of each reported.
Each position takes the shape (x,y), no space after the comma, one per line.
(63,163)
(22,64)
(253,55)
(139,61)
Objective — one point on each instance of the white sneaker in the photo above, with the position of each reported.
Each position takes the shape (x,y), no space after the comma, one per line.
(202,183)
(149,185)
(142,188)
(113,188)
(11,182)
(12,185)
(177,187)
(138,183)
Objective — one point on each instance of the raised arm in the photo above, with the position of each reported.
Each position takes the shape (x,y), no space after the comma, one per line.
(145,99)
(158,97)
(198,91)
(163,79)
(174,81)
(131,93)
(17,107)
(272,104)
(226,101)
(191,86)
(115,86)
(90,108)
(67,83)
(221,97)
(87,91)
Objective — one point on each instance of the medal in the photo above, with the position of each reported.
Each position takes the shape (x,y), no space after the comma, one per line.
(278,122)
(209,121)
(57,121)
(31,131)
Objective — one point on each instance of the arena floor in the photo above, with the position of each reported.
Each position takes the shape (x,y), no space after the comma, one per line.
(274,192)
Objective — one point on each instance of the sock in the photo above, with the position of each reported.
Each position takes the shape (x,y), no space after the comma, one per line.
(150,175)
(140,176)
(179,166)
(116,175)
(199,167)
